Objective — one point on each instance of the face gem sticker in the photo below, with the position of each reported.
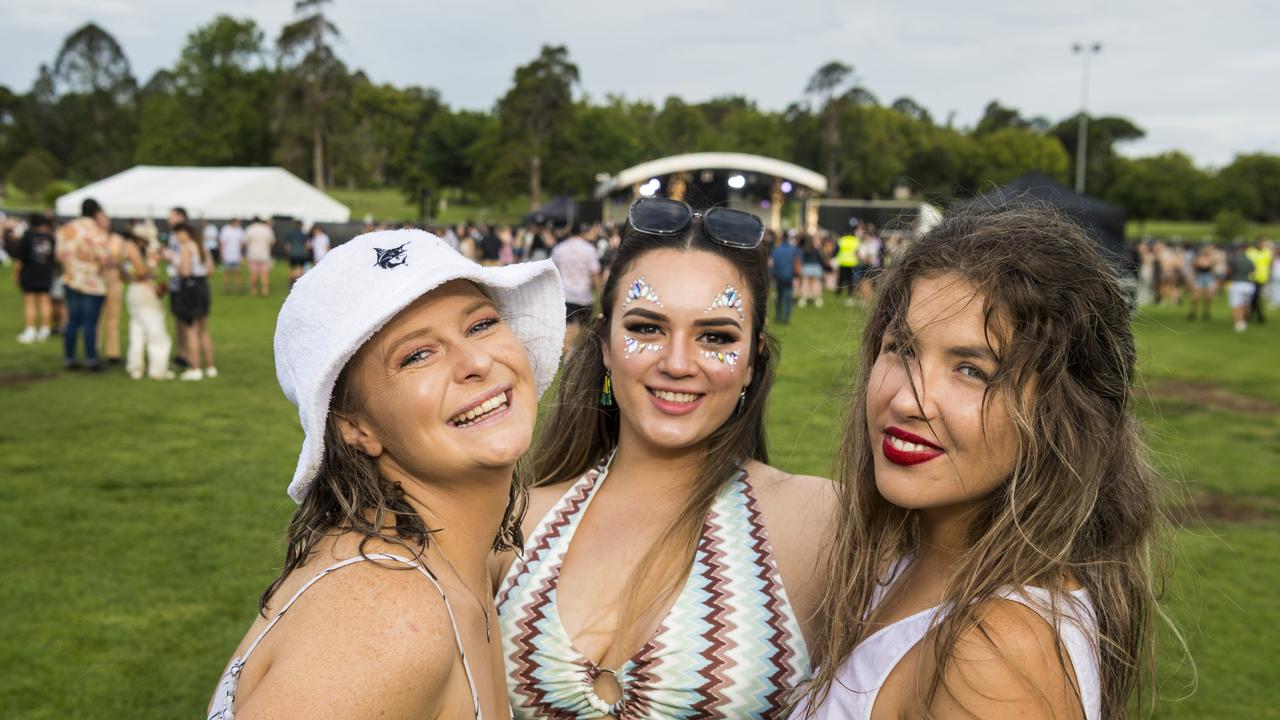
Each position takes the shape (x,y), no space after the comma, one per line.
(631,346)
(730,298)
(641,290)
(727,358)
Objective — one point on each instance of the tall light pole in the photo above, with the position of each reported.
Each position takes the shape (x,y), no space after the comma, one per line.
(1082,141)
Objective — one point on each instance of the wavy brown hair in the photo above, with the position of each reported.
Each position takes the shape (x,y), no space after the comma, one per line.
(578,432)
(349,495)
(1081,503)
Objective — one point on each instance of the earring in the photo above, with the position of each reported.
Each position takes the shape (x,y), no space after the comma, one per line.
(742,400)
(606,393)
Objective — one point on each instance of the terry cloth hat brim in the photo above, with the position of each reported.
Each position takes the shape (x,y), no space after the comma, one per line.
(360,285)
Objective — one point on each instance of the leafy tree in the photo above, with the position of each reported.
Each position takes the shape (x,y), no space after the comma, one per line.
(1166,186)
(1251,184)
(538,105)
(912,109)
(681,128)
(95,90)
(314,86)
(1009,152)
(1229,225)
(825,83)
(1103,133)
(34,171)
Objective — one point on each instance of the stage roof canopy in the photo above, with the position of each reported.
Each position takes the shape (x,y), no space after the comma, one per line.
(215,193)
(691,162)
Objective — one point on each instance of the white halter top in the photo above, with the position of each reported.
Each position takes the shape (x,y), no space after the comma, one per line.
(859,679)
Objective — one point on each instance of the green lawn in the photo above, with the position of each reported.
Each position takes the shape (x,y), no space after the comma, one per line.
(140,520)
(1190,231)
(389,204)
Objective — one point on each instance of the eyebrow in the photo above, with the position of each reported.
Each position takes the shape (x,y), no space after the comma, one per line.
(974,351)
(701,322)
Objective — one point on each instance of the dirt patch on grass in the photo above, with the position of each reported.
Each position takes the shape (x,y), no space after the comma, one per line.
(1223,508)
(1212,397)
(14,379)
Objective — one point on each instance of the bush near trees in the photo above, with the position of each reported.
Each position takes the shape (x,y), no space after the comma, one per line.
(234,98)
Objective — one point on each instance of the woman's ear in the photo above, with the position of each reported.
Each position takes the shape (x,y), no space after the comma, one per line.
(359,435)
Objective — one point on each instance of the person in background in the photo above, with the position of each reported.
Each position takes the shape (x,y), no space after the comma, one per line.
(847,263)
(231,246)
(1260,254)
(259,239)
(1240,287)
(869,251)
(508,253)
(490,247)
(109,322)
(1204,283)
(148,335)
(177,216)
(575,257)
(36,262)
(784,267)
(812,267)
(299,248)
(319,244)
(83,249)
(210,231)
(192,304)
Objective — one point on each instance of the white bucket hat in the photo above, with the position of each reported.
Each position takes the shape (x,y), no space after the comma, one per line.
(360,285)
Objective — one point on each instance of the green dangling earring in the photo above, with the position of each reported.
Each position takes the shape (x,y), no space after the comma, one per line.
(606,393)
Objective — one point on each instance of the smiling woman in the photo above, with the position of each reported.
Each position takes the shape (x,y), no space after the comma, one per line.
(417,382)
(994,555)
(670,569)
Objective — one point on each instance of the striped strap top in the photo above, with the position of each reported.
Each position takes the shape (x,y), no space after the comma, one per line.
(729,647)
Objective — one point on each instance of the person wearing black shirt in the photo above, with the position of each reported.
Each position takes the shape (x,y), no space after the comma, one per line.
(299,247)
(490,247)
(36,268)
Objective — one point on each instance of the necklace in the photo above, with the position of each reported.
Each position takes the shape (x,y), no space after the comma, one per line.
(484,609)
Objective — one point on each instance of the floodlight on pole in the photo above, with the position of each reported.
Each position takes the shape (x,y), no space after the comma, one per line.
(1082,139)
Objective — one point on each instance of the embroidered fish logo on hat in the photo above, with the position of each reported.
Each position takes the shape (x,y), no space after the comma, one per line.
(393,258)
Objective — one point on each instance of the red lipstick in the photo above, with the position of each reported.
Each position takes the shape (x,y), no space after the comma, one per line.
(899,456)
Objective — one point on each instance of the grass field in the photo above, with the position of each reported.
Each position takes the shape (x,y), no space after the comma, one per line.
(140,520)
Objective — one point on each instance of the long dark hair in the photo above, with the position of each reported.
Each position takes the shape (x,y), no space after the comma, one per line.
(579,432)
(1082,500)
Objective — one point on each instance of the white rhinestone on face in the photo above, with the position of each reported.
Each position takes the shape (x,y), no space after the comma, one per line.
(725,358)
(631,346)
(730,298)
(641,290)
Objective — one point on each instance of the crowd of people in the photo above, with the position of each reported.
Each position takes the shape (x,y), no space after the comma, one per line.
(1194,274)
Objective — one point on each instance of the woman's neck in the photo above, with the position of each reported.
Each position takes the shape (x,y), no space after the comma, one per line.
(465,512)
(660,470)
(944,534)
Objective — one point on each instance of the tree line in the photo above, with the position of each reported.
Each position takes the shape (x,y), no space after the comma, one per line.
(233,98)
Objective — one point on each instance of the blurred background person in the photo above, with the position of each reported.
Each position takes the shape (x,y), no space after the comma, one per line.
(192,304)
(177,216)
(113,302)
(82,249)
(812,267)
(784,267)
(1260,255)
(231,243)
(319,244)
(1239,286)
(259,238)
(210,231)
(847,263)
(34,271)
(299,248)
(1204,283)
(575,257)
(148,334)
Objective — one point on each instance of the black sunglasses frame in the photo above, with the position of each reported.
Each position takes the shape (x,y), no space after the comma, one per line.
(748,242)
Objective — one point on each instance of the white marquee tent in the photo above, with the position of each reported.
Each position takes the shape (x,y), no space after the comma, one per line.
(215,193)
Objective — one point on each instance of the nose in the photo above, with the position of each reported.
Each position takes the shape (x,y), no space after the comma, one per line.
(677,358)
(910,400)
(471,361)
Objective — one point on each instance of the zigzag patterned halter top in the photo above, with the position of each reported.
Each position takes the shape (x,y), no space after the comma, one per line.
(730,647)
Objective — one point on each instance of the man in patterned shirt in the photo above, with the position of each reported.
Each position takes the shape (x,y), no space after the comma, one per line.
(84,251)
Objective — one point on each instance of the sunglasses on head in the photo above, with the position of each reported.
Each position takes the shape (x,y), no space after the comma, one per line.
(662,216)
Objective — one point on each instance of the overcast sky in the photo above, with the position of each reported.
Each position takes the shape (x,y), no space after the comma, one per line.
(1201,77)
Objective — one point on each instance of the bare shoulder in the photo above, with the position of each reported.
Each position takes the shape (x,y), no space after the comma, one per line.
(373,638)
(1008,664)
(793,498)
